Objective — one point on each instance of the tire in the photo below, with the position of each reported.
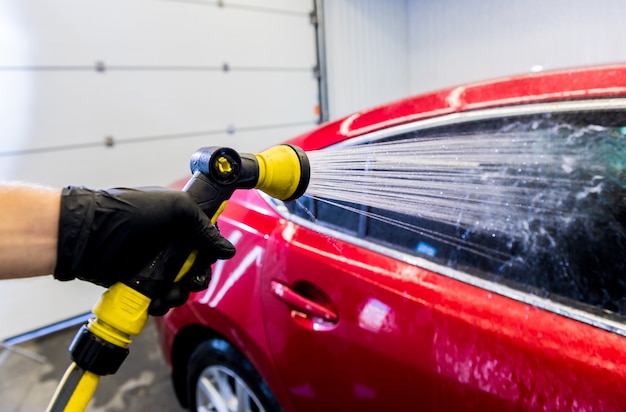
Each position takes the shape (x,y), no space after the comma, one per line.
(221,379)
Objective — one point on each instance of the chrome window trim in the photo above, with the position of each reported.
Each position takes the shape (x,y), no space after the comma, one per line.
(484,114)
(487,285)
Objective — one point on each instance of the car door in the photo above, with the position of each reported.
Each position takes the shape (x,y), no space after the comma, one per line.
(364,315)
(337,324)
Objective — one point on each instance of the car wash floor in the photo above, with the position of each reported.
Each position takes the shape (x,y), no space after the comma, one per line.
(142,382)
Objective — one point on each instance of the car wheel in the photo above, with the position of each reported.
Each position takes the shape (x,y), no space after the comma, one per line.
(221,379)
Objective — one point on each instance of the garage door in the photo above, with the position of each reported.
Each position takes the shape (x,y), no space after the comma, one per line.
(121,93)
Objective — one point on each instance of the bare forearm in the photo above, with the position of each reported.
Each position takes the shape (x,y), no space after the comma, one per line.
(29,224)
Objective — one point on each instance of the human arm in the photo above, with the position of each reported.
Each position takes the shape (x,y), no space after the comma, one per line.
(29,223)
(108,236)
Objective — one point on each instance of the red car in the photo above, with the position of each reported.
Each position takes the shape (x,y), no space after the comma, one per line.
(325,308)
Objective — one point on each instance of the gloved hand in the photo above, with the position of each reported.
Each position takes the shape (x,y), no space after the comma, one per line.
(111,236)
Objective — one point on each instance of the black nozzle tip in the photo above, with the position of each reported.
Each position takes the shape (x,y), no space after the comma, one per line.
(207,161)
(305,172)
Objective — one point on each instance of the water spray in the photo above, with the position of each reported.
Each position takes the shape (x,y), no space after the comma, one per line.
(538,202)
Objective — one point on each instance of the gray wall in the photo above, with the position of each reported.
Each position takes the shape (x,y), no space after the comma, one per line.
(456,41)
(367,52)
(383,50)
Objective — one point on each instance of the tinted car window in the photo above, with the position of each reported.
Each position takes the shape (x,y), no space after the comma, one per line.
(337,215)
(340,215)
(582,261)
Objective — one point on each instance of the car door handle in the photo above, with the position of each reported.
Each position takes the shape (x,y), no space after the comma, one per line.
(303,304)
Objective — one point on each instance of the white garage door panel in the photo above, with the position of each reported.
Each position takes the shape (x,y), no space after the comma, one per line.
(198,101)
(159,163)
(47,299)
(287,6)
(141,35)
(75,108)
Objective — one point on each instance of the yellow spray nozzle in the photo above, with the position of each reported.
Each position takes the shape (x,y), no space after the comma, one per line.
(284,172)
(281,171)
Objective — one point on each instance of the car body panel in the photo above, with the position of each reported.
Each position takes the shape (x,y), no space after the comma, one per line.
(407,336)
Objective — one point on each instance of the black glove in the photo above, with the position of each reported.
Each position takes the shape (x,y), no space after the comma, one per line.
(112,236)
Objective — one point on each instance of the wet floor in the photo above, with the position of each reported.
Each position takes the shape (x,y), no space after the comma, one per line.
(28,380)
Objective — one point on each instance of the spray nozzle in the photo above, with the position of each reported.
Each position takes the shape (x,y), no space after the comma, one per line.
(282,172)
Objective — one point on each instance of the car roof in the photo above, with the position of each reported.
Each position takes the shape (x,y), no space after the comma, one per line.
(579,83)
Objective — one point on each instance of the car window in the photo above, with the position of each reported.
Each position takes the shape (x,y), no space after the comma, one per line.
(337,215)
(579,263)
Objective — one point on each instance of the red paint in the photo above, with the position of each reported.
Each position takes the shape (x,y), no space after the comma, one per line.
(404,338)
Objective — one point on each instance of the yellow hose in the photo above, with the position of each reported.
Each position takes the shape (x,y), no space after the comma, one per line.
(74,391)
(120,313)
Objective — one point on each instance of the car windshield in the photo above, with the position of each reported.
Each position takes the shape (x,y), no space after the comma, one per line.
(555,229)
